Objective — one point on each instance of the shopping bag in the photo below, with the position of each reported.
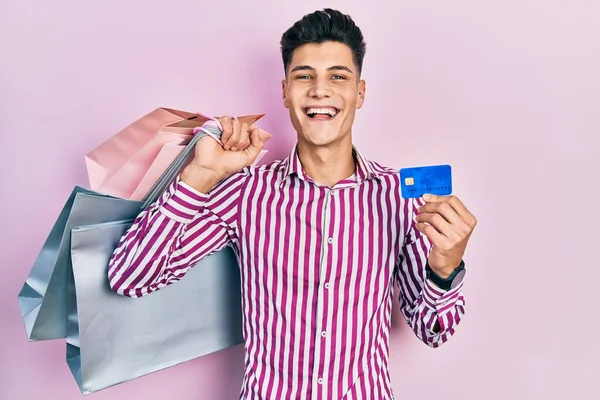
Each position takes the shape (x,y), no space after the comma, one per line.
(108,157)
(118,165)
(43,297)
(126,180)
(165,157)
(112,339)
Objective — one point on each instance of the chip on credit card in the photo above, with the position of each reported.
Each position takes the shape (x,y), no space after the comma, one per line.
(433,179)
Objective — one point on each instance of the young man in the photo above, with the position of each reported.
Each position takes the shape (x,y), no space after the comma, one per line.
(320,236)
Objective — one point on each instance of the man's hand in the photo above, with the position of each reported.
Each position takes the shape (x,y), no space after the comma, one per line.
(448,224)
(242,143)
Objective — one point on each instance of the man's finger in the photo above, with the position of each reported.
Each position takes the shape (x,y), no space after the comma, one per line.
(227,129)
(438,222)
(453,201)
(444,209)
(235,136)
(256,144)
(462,210)
(243,139)
(436,238)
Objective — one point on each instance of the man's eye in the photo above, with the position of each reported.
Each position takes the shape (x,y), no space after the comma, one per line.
(338,77)
(302,77)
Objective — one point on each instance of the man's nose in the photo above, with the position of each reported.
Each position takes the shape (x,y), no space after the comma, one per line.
(320,88)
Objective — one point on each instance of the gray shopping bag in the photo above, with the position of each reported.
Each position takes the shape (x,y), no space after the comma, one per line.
(112,338)
(43,297)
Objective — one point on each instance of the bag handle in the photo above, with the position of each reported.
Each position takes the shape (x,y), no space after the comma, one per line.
(211,128)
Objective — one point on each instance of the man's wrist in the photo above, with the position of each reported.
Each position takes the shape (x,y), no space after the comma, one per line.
(443,271)
(199,178)
(449,281)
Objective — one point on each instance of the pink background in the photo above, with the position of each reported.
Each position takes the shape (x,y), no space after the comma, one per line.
(505,91)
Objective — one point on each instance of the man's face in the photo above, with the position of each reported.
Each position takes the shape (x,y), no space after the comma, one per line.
(322,91)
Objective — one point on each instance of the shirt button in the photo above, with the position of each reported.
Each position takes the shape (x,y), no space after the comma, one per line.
(326,285)
(330,240)
(320,381)
(323,333)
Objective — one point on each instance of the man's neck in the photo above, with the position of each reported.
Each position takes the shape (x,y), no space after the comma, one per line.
(327,165)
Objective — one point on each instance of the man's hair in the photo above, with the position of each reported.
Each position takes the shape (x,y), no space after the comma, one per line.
(324,26)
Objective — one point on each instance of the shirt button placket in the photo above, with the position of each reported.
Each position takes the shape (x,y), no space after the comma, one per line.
(323,294)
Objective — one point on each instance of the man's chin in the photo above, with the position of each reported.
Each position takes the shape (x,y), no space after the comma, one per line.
(321,138)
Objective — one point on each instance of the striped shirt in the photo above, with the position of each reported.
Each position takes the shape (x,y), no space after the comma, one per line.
(318,267)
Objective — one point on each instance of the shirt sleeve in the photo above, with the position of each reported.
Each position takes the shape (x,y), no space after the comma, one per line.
(173,234)
(422,303)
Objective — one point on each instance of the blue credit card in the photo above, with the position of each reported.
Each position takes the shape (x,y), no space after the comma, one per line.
(434,179)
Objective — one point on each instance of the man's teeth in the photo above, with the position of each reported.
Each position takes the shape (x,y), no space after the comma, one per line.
(325,111)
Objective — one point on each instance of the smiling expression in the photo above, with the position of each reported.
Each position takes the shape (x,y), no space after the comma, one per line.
(322,91)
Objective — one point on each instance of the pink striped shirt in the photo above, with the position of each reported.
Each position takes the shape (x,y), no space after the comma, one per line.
(318,267)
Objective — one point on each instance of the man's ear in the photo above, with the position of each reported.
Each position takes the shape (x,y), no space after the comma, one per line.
(362,88)
(286,103)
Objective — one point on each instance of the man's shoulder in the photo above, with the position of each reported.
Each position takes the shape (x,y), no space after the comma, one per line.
(239,180)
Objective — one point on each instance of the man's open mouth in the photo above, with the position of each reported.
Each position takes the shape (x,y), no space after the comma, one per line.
(323,113)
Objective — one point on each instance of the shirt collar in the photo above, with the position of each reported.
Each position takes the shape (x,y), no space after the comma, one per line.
(364,169)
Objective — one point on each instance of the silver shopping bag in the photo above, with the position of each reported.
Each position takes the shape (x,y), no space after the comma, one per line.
(43,297)
(112,338)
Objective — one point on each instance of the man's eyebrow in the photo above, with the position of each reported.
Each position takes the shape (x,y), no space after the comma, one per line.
(340,68)
(332,68)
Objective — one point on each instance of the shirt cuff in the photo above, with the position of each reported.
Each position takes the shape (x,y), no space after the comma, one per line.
(441,300)
(184,202)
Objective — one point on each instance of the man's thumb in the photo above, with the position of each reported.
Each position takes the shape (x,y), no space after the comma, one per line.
(258,138)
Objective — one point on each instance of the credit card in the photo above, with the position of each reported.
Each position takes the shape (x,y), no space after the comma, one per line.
(433,179)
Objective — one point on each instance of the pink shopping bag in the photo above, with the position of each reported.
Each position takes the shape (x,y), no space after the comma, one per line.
(167,155)
(118,166)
